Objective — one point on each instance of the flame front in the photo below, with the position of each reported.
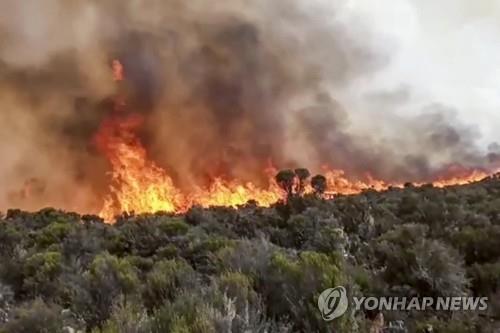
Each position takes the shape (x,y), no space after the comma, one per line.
(139,185)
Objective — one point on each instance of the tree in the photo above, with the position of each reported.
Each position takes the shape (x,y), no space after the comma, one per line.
(318,183)
(302,174)
(286,179)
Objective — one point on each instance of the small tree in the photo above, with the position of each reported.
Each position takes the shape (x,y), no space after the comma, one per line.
(318,183)
(286,180)
(302,174)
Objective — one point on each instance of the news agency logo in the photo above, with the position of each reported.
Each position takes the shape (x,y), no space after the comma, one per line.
(333,303)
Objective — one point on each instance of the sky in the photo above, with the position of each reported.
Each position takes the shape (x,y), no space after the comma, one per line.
(445,52)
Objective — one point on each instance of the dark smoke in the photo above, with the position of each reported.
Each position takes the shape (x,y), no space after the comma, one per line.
(224,90)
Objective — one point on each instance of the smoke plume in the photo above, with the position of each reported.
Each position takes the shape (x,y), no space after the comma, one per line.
(224,89)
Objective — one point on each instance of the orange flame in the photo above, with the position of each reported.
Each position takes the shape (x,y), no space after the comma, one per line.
(466,178)
(141,186)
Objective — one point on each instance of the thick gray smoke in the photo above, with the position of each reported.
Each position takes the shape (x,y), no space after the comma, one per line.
(225,88)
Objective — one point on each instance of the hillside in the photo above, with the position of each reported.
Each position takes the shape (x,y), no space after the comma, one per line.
(255,269)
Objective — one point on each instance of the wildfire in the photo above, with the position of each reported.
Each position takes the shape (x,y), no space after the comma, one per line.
(338,183)
(139,185)
(469,177)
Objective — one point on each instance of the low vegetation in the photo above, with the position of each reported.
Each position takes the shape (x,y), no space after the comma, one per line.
(255,269)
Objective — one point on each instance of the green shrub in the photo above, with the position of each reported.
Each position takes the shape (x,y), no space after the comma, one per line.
(107,279)
(54,233)
(188,313)
(34,317)
(174,227)
(294,284)
(165,280)
(238,287)
(41,271)
(127,317)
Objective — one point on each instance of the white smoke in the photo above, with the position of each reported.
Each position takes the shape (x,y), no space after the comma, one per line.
(445,52)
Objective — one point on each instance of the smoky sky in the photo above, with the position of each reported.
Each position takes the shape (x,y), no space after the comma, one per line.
(225,89)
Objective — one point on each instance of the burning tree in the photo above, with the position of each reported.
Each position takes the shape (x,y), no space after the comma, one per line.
(319,184)
(302,175)
(286,180)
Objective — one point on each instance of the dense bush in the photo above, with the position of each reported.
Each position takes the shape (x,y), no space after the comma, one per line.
(254,269)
